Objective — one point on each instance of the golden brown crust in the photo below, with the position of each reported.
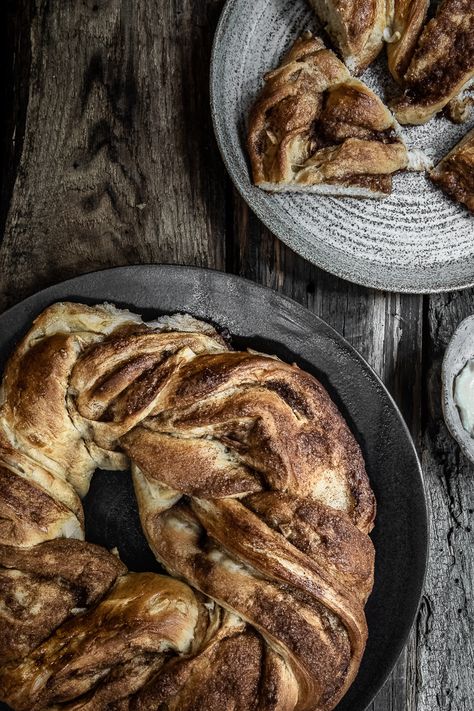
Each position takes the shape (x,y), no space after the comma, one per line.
(122,641)
(408,20)
(33,416)
(42,586)
(251,488)
(309,449)
(28,514)
(455,173)
(35,505)
(234,658)
(321,532)
(356,28)
(319,650)
(41,377)
(314,126)
(442,64)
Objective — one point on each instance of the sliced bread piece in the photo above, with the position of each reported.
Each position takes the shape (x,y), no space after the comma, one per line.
(402,37)
(455,173)
(356,27)
(443,63)
(317,129)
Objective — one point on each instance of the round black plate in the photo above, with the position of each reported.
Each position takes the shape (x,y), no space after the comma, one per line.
(264,320)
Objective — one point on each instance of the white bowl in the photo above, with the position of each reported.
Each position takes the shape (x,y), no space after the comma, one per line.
(459,351)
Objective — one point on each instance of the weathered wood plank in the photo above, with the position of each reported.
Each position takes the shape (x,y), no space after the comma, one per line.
(15,57)
(385,328)
(445,633)
(118,163)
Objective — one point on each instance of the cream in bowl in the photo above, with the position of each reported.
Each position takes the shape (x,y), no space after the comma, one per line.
(458,386)
(464,396)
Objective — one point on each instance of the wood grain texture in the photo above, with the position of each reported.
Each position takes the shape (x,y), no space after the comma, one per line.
(445,630)
(15,53)
(108,158)
(116,136)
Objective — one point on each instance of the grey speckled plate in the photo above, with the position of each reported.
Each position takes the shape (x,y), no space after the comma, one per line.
(416,240)
(273,324)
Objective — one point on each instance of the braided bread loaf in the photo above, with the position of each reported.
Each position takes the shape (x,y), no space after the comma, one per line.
(252,494)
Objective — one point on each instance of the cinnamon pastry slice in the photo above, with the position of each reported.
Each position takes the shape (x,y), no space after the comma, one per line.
(443,63)
(316,129)
(407,24)
(455,173)
(356,27)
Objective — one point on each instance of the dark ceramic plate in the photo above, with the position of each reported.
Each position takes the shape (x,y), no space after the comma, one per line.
(266,321)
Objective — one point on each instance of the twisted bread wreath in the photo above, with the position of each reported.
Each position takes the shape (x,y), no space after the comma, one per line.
(251,489)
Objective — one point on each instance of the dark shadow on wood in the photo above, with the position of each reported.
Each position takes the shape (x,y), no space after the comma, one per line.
(15,58)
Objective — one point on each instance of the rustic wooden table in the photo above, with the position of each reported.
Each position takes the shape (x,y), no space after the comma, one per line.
(108,158)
